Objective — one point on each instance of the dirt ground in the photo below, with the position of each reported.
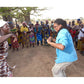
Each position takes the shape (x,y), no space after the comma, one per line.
(38,62)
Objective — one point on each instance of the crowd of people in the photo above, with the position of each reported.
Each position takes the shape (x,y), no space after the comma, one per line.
(38,33)
(31,35)
(77,32)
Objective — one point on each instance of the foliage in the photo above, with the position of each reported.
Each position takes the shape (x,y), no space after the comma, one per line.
(5,11)
(20,13)
(27,11)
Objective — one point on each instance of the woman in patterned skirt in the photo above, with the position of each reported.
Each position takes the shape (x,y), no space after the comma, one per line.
(25,35)
(5,69)
(15,45)
(31,35)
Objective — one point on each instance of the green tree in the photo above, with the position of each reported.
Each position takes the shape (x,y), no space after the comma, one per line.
(25,12)
(6,13)
(20,13)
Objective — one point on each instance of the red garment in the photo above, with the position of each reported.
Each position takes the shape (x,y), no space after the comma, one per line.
(14,44)
(73,32)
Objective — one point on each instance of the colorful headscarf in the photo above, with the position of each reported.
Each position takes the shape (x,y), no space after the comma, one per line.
(10,22)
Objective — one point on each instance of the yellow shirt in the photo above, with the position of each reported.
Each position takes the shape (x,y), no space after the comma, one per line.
(77,24)
(24,29)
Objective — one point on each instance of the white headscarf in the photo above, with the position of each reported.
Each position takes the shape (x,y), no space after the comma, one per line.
(2,23)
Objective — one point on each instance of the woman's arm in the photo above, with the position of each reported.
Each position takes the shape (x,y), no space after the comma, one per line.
(5,37)
(56,45)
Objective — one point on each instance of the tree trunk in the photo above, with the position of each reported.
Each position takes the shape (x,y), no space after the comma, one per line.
(7,18)
(4,18)
(27,18)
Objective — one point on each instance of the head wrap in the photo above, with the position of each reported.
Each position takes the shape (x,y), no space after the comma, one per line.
(78,19)
(2,23)
(10,22)
(46,20)
(24,23)
(37,21)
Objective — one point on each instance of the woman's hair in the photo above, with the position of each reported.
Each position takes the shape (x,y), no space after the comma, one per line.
(62,22)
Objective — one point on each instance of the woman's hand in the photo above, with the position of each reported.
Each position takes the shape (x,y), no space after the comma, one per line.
(25,33)
(12,68)
(49,40)
(15,39)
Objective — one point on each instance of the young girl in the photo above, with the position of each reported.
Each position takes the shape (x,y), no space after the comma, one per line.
(39,38)
(31,35)
(15,44)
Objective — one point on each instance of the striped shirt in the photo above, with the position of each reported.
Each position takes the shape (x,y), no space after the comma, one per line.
(4,67)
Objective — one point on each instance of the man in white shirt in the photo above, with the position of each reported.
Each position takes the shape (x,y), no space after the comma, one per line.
(80,37)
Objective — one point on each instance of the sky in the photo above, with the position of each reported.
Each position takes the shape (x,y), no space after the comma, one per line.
(65,9)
